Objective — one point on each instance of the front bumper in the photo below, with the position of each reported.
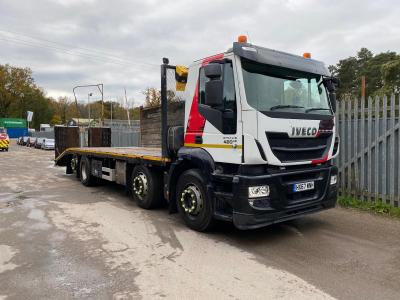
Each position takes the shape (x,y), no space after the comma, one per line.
(282,204)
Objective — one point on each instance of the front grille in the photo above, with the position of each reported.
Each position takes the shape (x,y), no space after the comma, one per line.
(288,149)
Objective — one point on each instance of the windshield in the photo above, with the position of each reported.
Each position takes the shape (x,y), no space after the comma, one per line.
(270,88)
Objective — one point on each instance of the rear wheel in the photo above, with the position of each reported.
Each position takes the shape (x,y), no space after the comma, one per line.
(87,178)
(146,187)
(73,166)
(193,204)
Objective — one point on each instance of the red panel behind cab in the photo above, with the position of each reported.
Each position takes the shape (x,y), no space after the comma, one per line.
(196,121)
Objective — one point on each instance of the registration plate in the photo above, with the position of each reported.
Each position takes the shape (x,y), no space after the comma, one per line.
(303,186)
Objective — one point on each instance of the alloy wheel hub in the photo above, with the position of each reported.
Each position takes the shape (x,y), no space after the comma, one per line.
(140,185)
(191,200)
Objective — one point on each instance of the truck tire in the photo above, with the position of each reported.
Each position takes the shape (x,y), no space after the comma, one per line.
(87,178)
(146,187)
(73,166)
(193,203)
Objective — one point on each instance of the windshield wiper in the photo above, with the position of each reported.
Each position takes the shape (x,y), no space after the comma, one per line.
(316,108)
(285,106)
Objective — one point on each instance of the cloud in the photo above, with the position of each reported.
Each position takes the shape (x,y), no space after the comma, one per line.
(121,42)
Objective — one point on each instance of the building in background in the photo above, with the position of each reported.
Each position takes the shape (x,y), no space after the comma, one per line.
(45,128)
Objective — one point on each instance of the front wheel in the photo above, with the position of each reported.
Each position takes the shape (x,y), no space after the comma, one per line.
(193,204)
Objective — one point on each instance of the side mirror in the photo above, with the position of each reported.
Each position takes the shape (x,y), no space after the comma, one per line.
(213,87)
(331,83)
(213,71)
(213,93)
(336,82)
(332,97)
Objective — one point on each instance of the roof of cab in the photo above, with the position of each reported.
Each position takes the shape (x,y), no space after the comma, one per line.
(276,58)
(279,58)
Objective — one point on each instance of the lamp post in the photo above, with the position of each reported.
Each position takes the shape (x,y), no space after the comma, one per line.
(88,100)
(111,112)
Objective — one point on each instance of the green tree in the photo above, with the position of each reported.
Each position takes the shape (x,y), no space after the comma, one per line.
(63,108)
(153,97)
(56,120)
(391,76)
(379,70)
(19,93)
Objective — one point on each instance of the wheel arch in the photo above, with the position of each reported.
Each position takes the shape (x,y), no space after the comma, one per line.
(187,158)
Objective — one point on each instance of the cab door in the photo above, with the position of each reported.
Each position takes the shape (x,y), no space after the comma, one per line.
(222,134)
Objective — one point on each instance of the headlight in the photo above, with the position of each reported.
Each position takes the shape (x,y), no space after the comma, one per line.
(333,179)
(258,191)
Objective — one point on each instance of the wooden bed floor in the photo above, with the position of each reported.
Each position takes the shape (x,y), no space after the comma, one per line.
(144,153)
(140,151)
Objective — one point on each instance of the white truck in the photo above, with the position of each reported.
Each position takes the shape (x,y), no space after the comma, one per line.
(45,127)
(256,147)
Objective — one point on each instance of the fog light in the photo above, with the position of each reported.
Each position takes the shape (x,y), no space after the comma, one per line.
(258,191)
(259,203)
(333,179)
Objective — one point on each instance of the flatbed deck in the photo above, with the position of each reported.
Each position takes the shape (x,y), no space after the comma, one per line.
(123,153)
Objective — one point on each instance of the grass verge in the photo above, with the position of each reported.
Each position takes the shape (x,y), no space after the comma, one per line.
(375,207)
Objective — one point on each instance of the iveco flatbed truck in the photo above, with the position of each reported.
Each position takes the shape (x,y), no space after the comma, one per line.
(256,147)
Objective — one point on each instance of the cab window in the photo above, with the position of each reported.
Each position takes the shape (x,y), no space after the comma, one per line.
(229,108)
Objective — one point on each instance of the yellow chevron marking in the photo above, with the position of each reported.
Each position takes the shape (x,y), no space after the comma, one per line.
(4,143)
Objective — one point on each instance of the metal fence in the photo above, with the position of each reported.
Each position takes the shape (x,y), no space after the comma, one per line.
(120,137)
(369,166)
(121,124)
(125,137)
(43,134)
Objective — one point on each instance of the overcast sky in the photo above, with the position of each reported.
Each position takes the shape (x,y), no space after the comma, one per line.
(121,42)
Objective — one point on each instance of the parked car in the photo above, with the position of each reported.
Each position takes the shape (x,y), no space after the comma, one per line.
(31,141)
(48,144)
(39,142)
(24,140)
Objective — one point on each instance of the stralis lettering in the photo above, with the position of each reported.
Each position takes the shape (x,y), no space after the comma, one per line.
(304,131)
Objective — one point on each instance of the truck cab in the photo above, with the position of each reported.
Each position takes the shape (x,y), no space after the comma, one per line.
(265,120)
